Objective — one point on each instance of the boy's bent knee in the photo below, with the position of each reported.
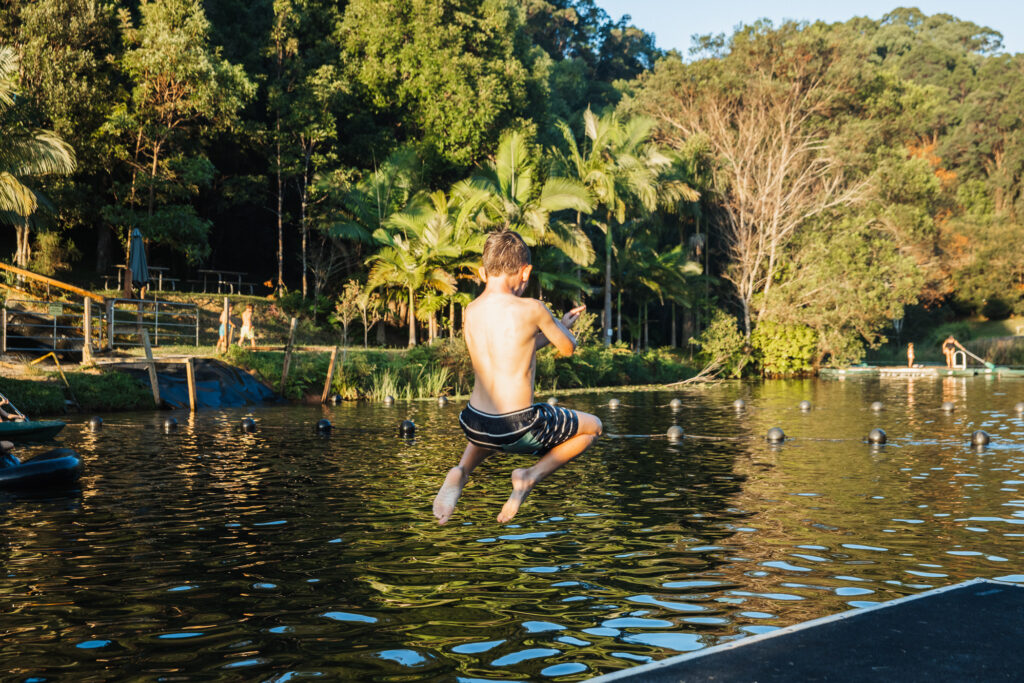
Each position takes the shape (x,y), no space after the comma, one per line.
(590,424)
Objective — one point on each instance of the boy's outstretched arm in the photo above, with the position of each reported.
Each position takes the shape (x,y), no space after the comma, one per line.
(555,331)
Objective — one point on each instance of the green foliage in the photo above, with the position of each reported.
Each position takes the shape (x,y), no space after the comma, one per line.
(723,345)
(784,350)
(35,397)
(109,391)
(106,391)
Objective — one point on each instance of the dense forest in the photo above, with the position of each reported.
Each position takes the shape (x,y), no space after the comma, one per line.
(785,190)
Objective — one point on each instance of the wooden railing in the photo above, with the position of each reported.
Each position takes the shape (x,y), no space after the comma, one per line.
(51,282)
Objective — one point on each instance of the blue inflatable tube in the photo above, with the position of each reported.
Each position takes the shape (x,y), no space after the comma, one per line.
(55,468)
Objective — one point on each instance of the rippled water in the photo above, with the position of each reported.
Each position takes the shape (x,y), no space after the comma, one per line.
(212,554)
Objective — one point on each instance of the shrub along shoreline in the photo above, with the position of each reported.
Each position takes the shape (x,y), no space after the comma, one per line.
(443,369)
(424,372)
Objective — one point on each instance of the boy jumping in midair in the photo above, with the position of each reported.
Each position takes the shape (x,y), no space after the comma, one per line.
(503,332)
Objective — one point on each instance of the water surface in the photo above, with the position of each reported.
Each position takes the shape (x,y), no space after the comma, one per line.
(211,554)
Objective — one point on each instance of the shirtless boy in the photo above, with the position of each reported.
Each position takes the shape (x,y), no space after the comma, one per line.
(503,332)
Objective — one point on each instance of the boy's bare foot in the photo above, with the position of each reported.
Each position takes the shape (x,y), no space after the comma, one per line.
(522,484)
(448,496)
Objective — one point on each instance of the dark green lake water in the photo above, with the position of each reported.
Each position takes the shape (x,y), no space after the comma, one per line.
(208,554)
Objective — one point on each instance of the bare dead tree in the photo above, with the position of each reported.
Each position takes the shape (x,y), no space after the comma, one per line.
(765,123)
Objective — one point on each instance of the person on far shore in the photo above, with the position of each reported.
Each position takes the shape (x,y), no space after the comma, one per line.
(503,331)
(246,330)
(910,355)
(949,348)
(222,332)
(9,417)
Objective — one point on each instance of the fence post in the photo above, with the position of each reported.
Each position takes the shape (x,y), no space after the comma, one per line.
(87,331)
(330,376)
(110,324)
(288,355)
(151,366)
(196,306)
(156,321)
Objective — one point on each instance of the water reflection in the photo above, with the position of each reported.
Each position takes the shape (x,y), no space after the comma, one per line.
(283,554)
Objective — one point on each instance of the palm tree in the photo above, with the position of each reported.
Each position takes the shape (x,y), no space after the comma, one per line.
(651,272)
(25,153)
(425,245)
(627,174)
(520,197)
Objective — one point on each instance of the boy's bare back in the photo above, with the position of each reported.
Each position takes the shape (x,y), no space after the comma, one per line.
(501,331)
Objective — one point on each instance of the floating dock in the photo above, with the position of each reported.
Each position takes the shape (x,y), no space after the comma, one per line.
(967,632)
(932,371)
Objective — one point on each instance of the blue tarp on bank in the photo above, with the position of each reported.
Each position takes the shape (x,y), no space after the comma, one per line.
(218,385)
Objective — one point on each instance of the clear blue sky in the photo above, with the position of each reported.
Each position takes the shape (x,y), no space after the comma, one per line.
(674,21)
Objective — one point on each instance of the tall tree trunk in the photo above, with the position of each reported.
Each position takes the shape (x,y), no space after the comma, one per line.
(280,211)
(647,331)
(618,328)
(608,288)
(673,326)
(302,217)
(451,319)
(366,331)
(152,178)
(22,252)
(412,318)
(103,256)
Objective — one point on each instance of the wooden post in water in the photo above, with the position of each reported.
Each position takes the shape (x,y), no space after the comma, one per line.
(330,376)
(87,331)
(151,367)
(190,374)
(288,355)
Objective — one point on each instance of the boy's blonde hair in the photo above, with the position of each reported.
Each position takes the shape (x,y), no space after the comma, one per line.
(505,253)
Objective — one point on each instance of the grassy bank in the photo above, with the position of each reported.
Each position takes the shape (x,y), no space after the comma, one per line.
(44,393)
(444,369)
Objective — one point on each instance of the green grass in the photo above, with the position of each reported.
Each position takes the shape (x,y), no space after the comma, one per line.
(107,391)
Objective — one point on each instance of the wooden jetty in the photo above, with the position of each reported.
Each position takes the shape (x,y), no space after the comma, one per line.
(965,632)
(927,371)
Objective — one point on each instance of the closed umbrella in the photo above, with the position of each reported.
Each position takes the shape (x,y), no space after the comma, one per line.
(137,259)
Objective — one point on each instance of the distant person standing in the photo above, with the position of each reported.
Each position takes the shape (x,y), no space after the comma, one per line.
(222,331)
(246,330)
(910,355)
(949,348)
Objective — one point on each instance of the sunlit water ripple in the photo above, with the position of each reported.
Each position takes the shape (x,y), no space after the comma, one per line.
(209,553)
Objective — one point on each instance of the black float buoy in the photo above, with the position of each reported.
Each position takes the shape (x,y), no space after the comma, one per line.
(407,428)
(170,424)
(877,405)
(95,423)
(739,404)
(553,401)
(948,406)
(775,435)
(337,399)
(1019,408)
(805,406)
(674,433)
(877,435)
(248,425)
(614,403)
(442,401)
(324,426)
(389,400)
(675,404)
(980,438)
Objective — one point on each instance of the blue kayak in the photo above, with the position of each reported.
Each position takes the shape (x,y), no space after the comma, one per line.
(31,431)
(56,468)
